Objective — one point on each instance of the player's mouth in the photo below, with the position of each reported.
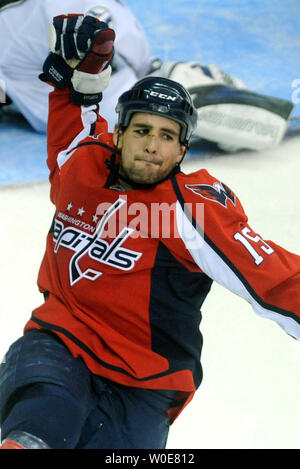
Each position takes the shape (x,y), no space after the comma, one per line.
(148,161)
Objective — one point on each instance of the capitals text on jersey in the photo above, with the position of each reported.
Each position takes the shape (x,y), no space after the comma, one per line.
(98,249)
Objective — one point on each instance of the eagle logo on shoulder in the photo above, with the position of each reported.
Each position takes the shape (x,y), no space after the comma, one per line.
(218,192)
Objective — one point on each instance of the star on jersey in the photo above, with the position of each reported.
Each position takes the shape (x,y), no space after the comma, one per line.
(218,192)
(80,211)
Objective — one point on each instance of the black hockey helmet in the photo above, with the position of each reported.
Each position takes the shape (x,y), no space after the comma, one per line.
(157,95)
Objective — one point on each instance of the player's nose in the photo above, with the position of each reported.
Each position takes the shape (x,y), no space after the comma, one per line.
(151,143)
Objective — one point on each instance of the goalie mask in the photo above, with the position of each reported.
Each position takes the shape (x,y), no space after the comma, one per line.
(161,96)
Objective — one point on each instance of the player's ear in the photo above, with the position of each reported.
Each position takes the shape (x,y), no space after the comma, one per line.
(117,136)
(181,154)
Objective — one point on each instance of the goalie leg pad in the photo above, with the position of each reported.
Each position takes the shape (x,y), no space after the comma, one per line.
(239,119)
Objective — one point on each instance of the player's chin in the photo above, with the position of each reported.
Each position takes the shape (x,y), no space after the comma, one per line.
(150,175)
(153,177)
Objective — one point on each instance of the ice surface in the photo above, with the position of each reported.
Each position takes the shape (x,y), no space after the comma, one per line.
(251,387)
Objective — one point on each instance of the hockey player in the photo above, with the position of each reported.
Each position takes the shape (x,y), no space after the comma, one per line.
(228,114)
(112,356)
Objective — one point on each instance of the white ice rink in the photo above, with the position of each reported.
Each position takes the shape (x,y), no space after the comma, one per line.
(249,397)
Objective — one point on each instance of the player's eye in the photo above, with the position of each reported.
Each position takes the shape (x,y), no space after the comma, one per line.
(142,131)
(167,137)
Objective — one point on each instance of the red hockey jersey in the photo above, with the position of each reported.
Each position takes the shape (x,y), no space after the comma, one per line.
(125,272)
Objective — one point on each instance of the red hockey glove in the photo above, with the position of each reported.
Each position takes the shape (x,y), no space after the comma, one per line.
(81,50)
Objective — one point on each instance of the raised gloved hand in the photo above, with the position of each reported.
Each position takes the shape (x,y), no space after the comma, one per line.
(81,48)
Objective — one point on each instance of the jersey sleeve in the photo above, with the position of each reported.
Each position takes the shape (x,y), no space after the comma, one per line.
(215,231)
(68,126)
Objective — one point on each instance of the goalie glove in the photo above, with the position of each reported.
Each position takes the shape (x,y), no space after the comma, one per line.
(228,114)
(81,49)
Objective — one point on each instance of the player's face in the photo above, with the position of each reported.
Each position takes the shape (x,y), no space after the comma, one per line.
(150,148)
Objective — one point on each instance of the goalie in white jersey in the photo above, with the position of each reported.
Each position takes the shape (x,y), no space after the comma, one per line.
(228,114)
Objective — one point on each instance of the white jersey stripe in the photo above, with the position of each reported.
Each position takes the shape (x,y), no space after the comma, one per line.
(88,117)
(212,263)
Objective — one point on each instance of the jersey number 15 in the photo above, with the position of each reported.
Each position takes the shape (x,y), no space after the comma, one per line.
(245,238)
